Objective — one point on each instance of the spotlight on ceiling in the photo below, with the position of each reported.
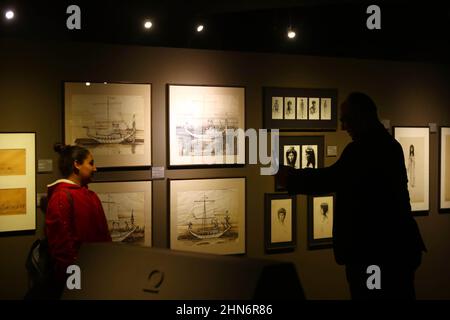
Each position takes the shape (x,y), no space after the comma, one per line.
(9,14)
(148,24)
(200,28)
(291,34)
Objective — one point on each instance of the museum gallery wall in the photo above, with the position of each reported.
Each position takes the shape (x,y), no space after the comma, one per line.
(130,122)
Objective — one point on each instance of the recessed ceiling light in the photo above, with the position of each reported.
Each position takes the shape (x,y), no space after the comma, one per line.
(9,14)
(88,84)
(200,28)
(291,34)
(148,24)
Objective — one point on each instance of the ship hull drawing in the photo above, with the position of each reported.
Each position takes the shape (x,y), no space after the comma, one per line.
(208,223)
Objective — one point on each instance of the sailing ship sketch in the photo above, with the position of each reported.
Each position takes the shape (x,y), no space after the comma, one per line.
(125,218)
(207,221)
(112,123)
(206,135)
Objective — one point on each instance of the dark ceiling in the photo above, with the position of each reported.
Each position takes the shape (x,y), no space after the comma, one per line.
(409,31)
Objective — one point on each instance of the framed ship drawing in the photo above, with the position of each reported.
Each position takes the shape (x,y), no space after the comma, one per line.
(320,221)
(208,215)
(17,182)
(300,109)
(128,210)
(415,143)
(444,176)
(280,221)
(112,120)
(203,125)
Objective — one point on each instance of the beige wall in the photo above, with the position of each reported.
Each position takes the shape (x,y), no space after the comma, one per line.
(408,94)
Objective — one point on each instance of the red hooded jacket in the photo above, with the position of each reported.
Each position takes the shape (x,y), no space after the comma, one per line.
(72,220)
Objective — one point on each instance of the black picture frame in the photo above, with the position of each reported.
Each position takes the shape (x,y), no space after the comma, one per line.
(302,142)
(279,246)
(317,100)
(324,242)
(443,160)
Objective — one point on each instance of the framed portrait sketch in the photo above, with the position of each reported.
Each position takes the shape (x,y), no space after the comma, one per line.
(300,152)
(128,210)
(203,125)
(320,221)
(415,144)
(444,176)
(280,218)
(208,215)
(300,109)
(17,182)
(112,120)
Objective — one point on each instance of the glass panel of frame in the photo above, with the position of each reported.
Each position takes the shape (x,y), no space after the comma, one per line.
(204,122)
(208,215)
(280,222)
(444,176)
(320,221)
(415,144)
(128,210)
(18,182)
(112,120)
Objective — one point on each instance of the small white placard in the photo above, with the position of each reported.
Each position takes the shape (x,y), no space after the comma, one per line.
(158,173)
(433,127)
(386,123)
(45,165)
(331,151)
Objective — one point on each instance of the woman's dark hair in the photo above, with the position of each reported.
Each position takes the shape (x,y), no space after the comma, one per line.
(67,156)
(294,152)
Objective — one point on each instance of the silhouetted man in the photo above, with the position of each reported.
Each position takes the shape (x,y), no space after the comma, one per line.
(373,224)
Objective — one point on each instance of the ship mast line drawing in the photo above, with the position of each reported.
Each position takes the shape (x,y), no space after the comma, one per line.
(117,233)
(209,230)
(108,131)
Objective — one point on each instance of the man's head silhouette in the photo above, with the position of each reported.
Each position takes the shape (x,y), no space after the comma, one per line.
(359,115)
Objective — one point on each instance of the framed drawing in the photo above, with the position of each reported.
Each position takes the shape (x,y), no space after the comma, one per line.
(300,152)
(128,210)
(320,221)
(300,109)
(444,176)
(415,144)
(203,124)
(112,120)
(17,182)
(208,215)
(280,216)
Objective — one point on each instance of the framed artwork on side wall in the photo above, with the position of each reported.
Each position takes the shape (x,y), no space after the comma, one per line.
(128,210)
(444,176)
(208,215)
(203,121)
(112,120)
(415,143)
(280,221)
(17,182)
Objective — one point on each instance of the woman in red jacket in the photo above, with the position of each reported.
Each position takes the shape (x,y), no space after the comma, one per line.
(74,213)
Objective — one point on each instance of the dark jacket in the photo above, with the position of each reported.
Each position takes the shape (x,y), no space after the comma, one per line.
(372,221)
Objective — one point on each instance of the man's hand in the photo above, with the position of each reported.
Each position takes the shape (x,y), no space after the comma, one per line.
(281,178)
